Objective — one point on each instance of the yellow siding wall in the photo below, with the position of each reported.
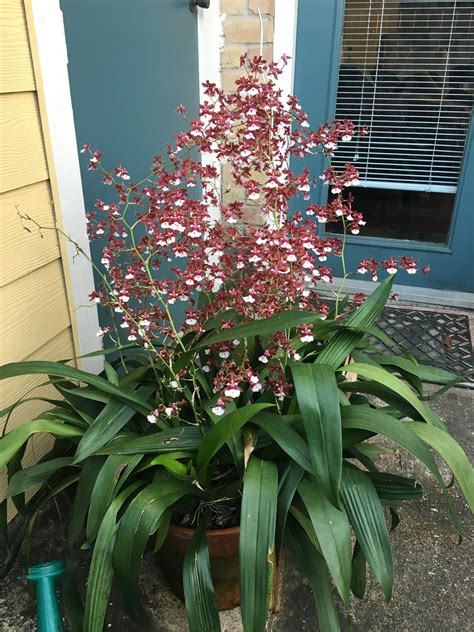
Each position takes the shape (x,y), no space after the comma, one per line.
(35,318)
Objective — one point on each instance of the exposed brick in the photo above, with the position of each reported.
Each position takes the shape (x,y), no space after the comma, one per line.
(252,215)
(230,56)
(226,174)
(241,29)
(267,52)
(228,79)
(265,6)
(232,193)
(258,176)
(234,7)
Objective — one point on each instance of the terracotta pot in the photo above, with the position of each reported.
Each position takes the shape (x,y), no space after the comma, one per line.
(223,547)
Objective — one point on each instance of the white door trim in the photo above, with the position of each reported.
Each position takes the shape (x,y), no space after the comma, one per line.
(210,43)
(284,40)
(47,36)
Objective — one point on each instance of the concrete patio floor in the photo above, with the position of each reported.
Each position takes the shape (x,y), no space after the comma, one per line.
(433,572)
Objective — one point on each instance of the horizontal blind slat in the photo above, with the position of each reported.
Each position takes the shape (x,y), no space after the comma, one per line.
(407,72)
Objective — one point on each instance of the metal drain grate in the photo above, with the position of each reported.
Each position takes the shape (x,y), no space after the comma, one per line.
(437,338)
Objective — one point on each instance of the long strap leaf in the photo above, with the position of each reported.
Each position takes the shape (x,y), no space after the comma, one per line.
(279,322)
(318,401)
(101,571)
(199,596)
(397,385)
(333,532)
(289,482)
(89,471)
(112,418)
(58,369)
(314,568)
(11,442)
(403,434)
(257,542)
(286,437)
(139,522)
(424,372)
(344,341)
(222,431)
(452,453)
(363,417)
(365,512)
(106,484)
(185,438)
(36,475)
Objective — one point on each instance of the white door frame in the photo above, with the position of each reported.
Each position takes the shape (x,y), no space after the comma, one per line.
(286,18)
(210,43)
(284,40)
(48,44)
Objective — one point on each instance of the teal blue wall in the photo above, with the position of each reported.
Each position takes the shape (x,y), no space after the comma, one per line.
(131,62)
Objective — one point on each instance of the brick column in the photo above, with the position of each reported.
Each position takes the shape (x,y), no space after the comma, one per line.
(241,25)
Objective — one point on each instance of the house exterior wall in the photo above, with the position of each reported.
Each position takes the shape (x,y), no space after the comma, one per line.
(36,315)
(241,27)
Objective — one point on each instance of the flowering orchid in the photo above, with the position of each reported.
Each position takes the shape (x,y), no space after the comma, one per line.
(162,245)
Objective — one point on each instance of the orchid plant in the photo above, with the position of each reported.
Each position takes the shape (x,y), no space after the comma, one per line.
(237,409)
(164,246)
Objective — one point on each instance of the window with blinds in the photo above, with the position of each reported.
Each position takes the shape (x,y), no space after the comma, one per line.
(407,73)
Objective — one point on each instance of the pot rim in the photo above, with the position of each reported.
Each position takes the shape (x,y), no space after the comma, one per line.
(212,533)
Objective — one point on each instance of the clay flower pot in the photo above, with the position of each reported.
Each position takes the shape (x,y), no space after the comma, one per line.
(223,547)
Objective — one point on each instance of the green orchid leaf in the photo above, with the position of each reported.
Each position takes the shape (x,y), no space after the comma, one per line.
(111,373)
(36,474)
(14,466)
(113,474)
(363,417)
(451,452)
(12,442)
(365,512)
(318,401)
(140,520)
(279,322)
(82,498)
(187,438)
(359,573)
(101,570)
(333,533)
(394,488)
(397,385)
(344,341)
(422,371)
(289,482)
(57,369)
(401,433)
(222,431)
(288,439)
(314,568)
(199,594)
(257,542)
(110,421)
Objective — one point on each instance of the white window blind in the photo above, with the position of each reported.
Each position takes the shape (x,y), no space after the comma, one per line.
(407,73)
